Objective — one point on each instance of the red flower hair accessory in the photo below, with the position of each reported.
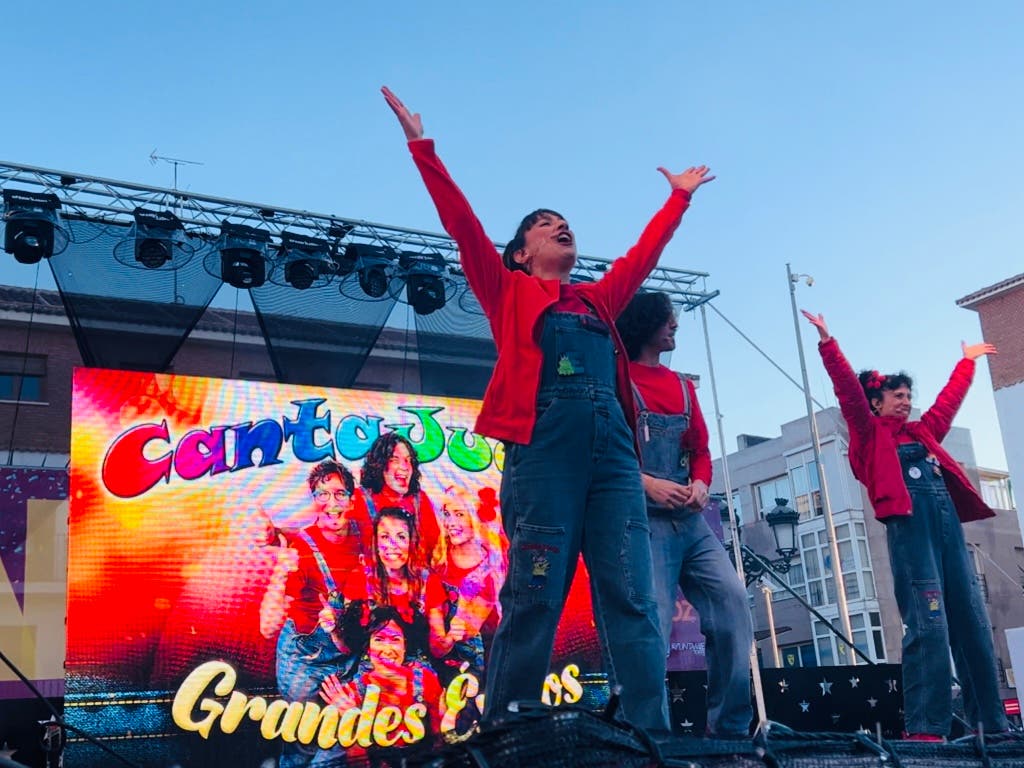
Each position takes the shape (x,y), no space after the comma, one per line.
(875,380)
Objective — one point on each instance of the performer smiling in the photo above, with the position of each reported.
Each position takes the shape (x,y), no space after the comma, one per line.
(560,399)
(923,495)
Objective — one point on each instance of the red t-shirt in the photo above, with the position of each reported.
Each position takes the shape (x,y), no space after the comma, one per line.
(364,585)
(662,392)
(569,300)
(306,584)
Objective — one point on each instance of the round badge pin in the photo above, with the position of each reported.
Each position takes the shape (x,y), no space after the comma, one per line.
(914,472)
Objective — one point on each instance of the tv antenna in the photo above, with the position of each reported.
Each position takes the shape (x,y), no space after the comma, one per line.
(175,161)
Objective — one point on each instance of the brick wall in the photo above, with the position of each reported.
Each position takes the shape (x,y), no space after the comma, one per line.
(1002,324)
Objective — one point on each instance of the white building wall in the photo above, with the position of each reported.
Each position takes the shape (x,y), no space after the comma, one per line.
(1010,409)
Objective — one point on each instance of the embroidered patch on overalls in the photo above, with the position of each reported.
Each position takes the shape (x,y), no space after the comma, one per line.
(933,603)
(932,459)
(539,574)
(915,473)
(565,366)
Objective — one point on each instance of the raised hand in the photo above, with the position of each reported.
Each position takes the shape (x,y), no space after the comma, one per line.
(342,695)
(689,179)
(974,351)
(818,321)
(411,123)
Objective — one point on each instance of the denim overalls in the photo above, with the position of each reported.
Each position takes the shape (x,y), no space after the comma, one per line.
(576,488)
(303,661)
(942,606)
(685,551)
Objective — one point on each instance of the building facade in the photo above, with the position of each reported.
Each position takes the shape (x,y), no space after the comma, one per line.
(1000,309)
(783,467)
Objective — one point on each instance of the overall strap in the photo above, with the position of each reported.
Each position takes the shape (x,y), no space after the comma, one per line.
(686,394)
(325,571)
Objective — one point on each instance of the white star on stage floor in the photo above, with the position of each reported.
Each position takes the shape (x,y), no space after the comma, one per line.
(677,694)
(826,687)
(872,701)
(686,723)
(854,681)
(892,685)
(805,706)
(783,685)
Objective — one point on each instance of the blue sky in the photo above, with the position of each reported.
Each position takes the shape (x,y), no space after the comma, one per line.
(876,146)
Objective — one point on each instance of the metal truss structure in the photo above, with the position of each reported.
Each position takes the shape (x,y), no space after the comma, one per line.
(114,202)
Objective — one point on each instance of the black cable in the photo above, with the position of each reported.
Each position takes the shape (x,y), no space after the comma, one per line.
(59,719)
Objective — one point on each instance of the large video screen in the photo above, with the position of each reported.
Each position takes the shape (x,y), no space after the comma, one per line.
(285,572)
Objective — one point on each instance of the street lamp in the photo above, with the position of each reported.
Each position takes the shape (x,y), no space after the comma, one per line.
(783,522)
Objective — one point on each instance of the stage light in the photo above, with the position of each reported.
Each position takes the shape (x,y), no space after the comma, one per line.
(242,255)
(32,230)
(373,265)
(158,235)
(304,261)
(426,281)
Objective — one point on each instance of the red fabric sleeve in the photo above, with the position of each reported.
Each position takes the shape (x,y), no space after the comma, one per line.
(696,441)
(480,259)
(854,405)
(627,273)
(939,418)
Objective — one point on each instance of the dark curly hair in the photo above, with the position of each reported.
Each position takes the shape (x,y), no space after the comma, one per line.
(359,621)
(874,383)
(518,242)
(326,469)
(645,314)
(376,461)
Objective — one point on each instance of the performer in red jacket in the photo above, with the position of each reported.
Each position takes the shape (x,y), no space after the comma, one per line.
(560,398)
(923,495)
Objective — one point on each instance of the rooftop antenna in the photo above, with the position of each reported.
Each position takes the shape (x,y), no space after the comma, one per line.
(175,161)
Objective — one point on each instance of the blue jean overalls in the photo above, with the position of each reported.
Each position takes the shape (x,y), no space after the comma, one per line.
(576,488)
(941,604)
(686,552)
(303,661)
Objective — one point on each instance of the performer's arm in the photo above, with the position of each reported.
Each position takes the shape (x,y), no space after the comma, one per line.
(852,402)
(276,602)
(939,418)
(480,259)
(627,273)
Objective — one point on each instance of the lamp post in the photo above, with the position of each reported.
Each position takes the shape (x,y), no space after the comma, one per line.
(783,522)
(830,531)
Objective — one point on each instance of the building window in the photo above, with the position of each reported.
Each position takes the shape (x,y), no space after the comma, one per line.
(867,636)
(996,492)
(800,655)
(795,579)
(767,492)
(858,578)
(803,471)
(22,377)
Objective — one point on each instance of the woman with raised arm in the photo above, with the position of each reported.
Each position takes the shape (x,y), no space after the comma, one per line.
(560,399)
(922,495)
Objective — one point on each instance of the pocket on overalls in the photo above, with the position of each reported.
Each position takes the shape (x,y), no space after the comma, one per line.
(537,565)
(568,355)
(636,562)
